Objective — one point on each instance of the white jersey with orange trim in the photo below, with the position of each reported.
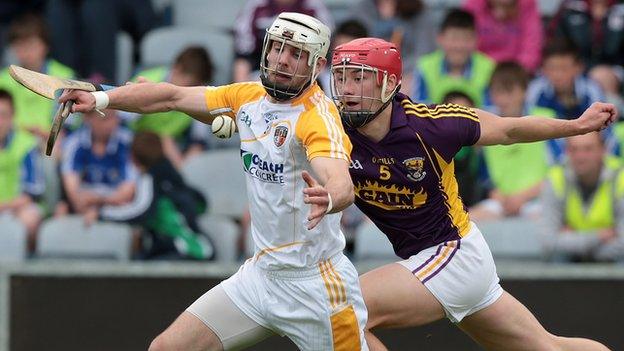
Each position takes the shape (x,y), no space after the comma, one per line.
(278,140)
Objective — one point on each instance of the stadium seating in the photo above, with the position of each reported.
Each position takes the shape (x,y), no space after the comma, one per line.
(205,15)
(125,57)
(162,45)
(68,237)
(12,239)
(224,234)
(513,238)
(371,243)
(219,176)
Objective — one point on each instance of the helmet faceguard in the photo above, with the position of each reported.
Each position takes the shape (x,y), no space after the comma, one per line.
(302,32)
(362,57)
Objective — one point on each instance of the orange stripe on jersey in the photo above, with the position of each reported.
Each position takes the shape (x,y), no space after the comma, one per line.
(459,216)
(320,130)
(452,201)
(345,330)
(440,111)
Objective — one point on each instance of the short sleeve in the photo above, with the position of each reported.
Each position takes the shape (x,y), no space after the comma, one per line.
(321,132)
(453,127)
(227,99)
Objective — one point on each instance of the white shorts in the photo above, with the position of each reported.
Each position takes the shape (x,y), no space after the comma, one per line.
(319,308)
(460,274)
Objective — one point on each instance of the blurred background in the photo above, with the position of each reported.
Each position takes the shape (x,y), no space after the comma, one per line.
(92,258)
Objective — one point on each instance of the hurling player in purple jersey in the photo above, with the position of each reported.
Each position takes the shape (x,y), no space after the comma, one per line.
(403,172)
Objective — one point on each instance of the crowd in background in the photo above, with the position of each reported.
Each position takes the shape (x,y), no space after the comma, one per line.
(502,56)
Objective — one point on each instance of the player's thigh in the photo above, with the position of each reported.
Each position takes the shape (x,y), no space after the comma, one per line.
(226,323)
(187,332)
(507,325)
(394,297)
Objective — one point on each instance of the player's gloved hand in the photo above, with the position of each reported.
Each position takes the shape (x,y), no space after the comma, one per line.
(318,197)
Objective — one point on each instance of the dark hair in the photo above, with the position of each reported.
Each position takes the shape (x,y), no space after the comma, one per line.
(196,61)
(6,95)
(147,149)
(509,74)
(560,47)
(406,9)
(458,18)
(456,94)
(28,25)
(352,28)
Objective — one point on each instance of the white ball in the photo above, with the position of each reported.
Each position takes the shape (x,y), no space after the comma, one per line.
(223,127)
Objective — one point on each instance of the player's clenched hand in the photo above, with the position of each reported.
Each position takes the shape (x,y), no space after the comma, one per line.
(317,196)
(597,117)
(84,101)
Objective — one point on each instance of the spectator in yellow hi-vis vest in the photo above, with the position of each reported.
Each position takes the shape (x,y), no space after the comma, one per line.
(583,212)
(29,43)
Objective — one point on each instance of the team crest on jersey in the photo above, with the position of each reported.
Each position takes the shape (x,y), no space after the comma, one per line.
(415,167)
(280,134)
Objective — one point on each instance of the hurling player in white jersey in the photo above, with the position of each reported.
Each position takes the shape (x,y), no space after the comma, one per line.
(298,283)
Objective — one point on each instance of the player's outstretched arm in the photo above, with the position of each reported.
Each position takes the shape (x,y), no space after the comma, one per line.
(497,130)
(332,193)
(146,98)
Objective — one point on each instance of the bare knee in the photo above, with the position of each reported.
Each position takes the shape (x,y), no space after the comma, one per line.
(164,342)
(159,344)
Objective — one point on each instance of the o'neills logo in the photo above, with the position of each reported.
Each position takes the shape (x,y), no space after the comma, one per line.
(265,171)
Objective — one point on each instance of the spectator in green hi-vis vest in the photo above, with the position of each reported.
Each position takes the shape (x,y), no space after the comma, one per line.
(456,65)
(21,177)
(191,67)
(516,172)
(583,209)
(29,42)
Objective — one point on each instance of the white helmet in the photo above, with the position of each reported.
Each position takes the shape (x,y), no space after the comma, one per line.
(301,31)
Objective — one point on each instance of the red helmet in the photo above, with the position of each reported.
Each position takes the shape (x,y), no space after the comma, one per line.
(372,52)
(378,56)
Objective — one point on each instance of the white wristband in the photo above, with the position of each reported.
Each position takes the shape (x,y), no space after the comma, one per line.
(101,99)
(330,204)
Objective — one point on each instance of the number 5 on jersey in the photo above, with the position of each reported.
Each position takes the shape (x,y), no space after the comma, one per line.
(384,172)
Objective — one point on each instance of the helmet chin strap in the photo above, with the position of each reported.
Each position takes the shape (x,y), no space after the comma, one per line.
(358,119)
(282,92)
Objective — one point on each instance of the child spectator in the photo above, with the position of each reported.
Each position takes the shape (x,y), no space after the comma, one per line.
(29,42)
(192,67)
(467,159)
(509,30)
(164,206)
(96,168)
(565,89)
(515,172)
(456,65)
(21,176)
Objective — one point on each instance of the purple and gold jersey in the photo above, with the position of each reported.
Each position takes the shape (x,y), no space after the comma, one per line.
(405,183)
